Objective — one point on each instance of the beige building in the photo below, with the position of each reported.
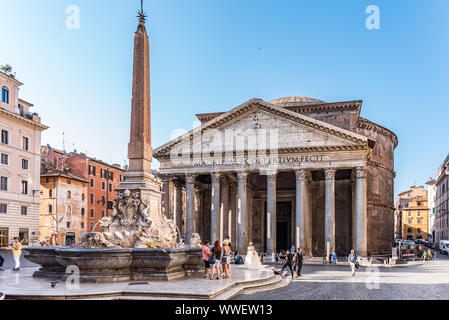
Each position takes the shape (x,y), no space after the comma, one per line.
(63,209)
(19,166)
(414,211)
(442,201)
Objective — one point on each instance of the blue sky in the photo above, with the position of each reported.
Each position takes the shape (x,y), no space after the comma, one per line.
(210,55)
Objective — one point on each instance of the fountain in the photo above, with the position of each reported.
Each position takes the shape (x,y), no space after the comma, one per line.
(137,241)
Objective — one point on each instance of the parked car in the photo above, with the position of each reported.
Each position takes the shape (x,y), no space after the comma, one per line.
(444,246)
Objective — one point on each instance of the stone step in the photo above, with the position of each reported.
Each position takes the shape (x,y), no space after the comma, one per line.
(276,282)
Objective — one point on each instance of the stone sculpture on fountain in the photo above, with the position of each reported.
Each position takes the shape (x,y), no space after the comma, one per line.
(132,225)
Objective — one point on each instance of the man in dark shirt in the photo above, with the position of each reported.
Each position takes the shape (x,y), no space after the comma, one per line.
(288,263)
(298,262)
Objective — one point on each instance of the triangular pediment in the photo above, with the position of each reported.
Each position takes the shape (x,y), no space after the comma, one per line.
(261,124)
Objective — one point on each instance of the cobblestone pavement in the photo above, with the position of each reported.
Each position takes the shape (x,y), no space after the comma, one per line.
(414,281)
(9,260)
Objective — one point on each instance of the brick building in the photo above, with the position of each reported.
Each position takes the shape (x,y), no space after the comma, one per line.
(102,179)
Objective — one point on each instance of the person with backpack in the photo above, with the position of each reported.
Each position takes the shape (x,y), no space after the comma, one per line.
(215,260)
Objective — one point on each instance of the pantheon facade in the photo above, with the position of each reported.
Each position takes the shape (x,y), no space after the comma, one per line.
(292,171)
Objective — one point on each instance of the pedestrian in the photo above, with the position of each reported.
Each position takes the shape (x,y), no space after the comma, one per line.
(216,252)
(352,259)
(206,256)
(273,257)
(292,249)
(226,259)
(298,262)
(2,296)
(16,252)
(238,258)
(228,239)
(261,256)
(288,263)
(324,258)
(334,258)
(425,257)
(2,260)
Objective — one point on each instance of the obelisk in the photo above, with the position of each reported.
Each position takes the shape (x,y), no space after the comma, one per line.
(138,177)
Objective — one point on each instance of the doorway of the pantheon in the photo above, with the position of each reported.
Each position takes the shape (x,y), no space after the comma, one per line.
(283,226)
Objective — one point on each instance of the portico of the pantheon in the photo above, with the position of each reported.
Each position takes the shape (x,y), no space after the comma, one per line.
(292,171)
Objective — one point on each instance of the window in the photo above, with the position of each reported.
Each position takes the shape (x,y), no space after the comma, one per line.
(91,198)
(82,225)
(110,205)
(110,187)
(409,230)
(24,164)
(4,183)
(23,236)
(111,175)
(5,137)
(103,185)
(82,196)
(92,170)
(68,224)
(82,212)
(69,181)
(3,208)
(69,210)
(103,173)
(91,226)
(419,230)
(5,95)
(50,193)
(409,213)
(24,187)
(91,213)
(103,200)
(409,221)
(50,208)
(5,159)
(24,210)
(418,214)
(92,183)
(25,143)
(4,237)
(102,213)
(69,194)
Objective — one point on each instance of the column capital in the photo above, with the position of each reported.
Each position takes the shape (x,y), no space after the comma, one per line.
(329,174)
(301,174)
(272,175)
(360,172)
(226,181)
(242,176)
(215,176)
(178,183)
(190,178)
(165,178)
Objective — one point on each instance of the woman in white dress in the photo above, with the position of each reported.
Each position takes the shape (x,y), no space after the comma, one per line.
(252,259)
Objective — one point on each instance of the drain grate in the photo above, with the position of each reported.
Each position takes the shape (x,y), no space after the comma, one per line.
(138,283)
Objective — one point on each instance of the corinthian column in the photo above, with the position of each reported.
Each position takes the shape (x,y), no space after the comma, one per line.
(329,219)
(271,213)
(178,206)
(242,216)
(224,212)
(166,195)
(215,208)
(190,207)
(360,212)
(301,208)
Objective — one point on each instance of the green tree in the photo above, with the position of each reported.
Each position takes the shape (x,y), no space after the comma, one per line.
(6,69)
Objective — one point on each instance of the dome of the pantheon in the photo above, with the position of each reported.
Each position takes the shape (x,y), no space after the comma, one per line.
(295,101)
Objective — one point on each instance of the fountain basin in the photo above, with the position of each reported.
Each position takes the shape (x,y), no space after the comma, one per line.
(46,258)
(116,265)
